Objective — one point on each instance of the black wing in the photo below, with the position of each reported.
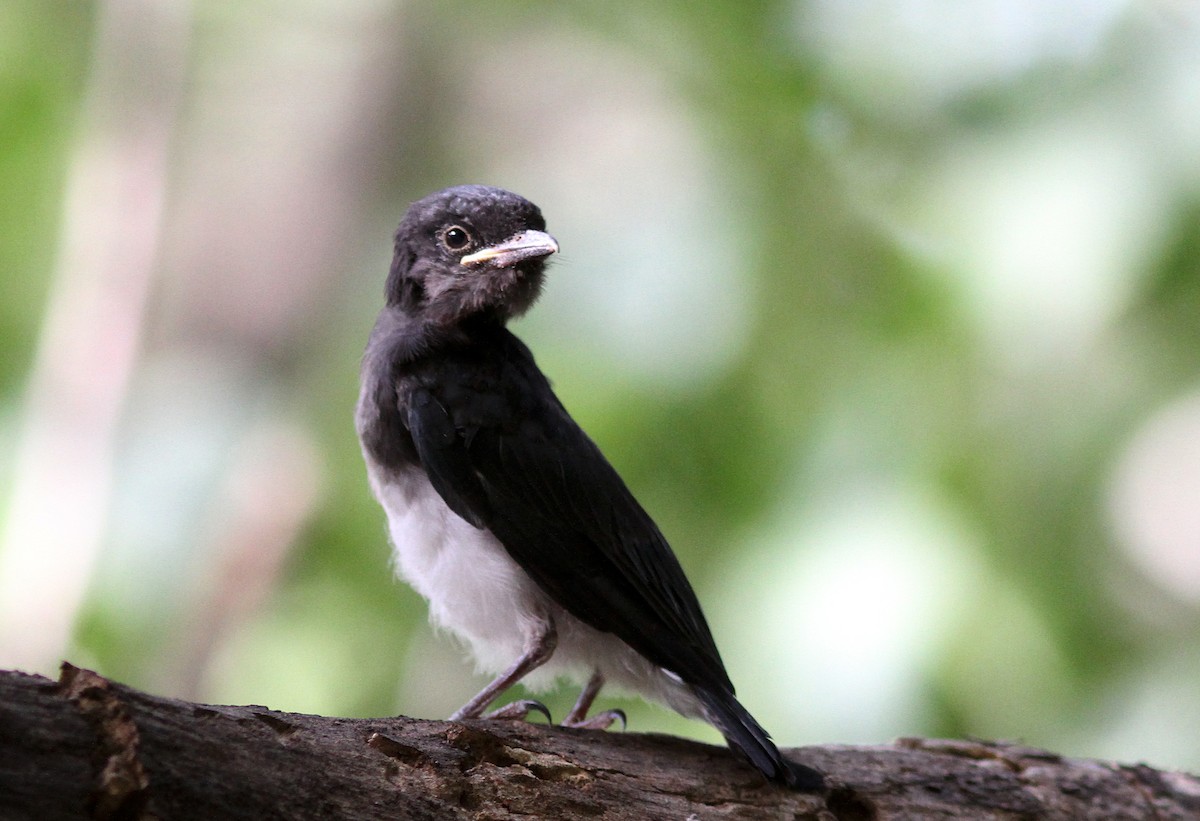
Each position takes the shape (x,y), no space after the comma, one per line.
(508,457)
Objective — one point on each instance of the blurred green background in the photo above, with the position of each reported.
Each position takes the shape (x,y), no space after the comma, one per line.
(887,311)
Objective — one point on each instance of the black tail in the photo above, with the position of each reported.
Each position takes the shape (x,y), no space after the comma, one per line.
(747,737)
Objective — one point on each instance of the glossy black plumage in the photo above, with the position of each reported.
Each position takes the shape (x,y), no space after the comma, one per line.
(449,391)
(505,455)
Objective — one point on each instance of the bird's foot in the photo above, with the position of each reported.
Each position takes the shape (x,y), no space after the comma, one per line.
(519,711)
(600,721)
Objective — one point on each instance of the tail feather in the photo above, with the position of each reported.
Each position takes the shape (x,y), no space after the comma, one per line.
(747,737)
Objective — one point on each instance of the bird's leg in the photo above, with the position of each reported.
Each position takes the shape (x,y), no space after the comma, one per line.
(586,697)
(578,716)
(538,650)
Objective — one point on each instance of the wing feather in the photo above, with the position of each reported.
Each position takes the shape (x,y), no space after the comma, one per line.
(564,514)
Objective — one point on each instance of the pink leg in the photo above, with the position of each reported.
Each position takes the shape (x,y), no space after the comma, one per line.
(578,715)
(538,650)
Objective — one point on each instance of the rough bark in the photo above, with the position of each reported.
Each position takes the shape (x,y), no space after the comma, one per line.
(85,747)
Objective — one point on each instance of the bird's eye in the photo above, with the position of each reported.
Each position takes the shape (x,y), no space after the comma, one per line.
(456,238)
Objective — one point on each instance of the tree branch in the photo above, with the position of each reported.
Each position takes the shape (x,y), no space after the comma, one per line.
(85,747)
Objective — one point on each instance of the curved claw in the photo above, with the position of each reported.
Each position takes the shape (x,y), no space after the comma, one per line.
(520,710)
(532,704)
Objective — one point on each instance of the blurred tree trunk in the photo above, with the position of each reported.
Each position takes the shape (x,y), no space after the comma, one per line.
(87,747)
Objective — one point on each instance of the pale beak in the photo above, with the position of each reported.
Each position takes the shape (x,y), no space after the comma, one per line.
(525,245)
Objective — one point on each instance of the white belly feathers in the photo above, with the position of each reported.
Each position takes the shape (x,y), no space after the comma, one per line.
(474,587)
(477,591)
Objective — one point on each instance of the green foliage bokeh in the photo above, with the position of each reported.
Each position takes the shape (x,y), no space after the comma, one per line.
(864,365)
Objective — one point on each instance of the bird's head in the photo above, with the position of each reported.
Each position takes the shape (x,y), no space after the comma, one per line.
(466,251)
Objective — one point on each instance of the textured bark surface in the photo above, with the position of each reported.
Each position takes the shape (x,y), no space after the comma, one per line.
(85,747)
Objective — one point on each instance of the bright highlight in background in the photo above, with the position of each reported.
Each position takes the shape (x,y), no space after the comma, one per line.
(841,615)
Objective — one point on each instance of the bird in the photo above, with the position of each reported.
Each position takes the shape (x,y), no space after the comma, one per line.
(502,512)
